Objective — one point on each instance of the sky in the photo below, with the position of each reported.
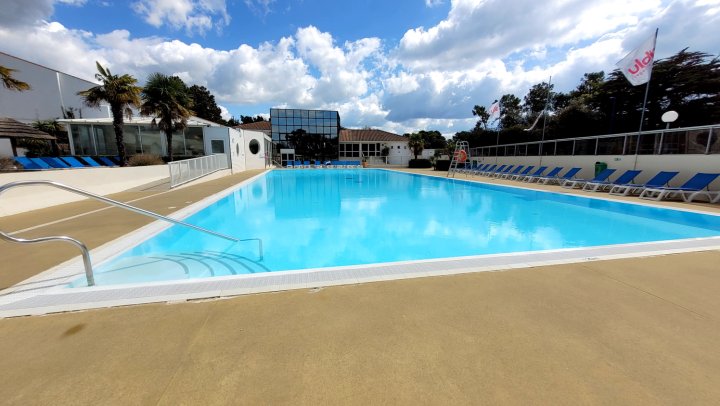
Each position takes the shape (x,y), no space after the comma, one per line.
(398,65)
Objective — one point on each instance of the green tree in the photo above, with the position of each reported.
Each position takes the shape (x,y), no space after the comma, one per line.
(10,83)
(61,144)
(233,122)
(416,144)
(167,98)
(251,119)
(510,111)
(204,104)
(483,116)
(120,92)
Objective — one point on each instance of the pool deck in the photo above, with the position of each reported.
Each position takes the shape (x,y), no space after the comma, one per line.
(628,331)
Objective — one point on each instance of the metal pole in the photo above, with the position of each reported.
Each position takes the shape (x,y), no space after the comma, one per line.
(547,100)
(642,113)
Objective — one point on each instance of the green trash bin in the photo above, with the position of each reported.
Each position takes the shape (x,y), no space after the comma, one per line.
(599,167)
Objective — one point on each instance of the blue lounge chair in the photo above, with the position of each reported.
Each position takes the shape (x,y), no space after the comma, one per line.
(494,171)
(514,172)
(538,173)
(504,171)
(623,179)
(318,164)
(602,176)
(547,180)
(73,162)
(88,160)
(106,161)
(660,180)
(54,162)
(522,174)
(696,186)
(486,168)
(552,174)
(30,164)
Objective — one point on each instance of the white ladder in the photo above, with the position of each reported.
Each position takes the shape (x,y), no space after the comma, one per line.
(461,154)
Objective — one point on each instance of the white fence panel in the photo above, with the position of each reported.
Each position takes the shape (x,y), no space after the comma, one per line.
(190,169)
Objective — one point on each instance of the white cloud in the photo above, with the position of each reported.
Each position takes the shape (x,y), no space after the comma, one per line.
(260,7)
(73,2)
(433,3)
(190,15)
(431,80)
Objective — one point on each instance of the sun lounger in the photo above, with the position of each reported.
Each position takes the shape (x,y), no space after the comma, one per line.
(511,173)
(106,161)
(696,186)
(30,164)
(519,175)
(538,173)
(504,171)
(54,162)
(91,162)
(73,162)
(623,179)
(487,168)
(547,180)
(552,174)
(494,171)
(660,180)
(602,176)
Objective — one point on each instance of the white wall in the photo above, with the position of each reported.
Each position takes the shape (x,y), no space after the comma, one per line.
(399,154)
(102,181)
(687,164)
(237,150)
(49,91)
(254,161)
(6,147)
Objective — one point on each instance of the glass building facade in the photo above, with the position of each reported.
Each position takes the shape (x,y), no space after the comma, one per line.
(99,139)
(312,133)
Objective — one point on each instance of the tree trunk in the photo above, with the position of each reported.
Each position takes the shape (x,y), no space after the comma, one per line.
(117,114)
(168,138)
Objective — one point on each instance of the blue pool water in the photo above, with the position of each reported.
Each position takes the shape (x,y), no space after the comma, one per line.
(324,218)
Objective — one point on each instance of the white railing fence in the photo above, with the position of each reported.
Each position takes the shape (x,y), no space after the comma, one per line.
(190,169)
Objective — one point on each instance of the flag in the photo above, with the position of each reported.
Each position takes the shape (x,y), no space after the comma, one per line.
(637,65)
(494,111)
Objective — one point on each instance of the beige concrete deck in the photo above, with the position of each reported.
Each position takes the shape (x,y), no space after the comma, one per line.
(639,331)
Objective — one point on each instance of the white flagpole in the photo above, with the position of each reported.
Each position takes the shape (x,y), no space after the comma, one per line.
(642,113)
(542,140)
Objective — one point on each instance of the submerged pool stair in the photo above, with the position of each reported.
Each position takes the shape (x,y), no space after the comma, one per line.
(83,248)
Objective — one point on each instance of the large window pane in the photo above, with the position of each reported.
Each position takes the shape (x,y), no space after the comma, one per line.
(81,140)
(151,142)
(131,139)
(105,140)
(194,141)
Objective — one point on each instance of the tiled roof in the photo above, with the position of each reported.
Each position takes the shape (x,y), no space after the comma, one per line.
(258,125)
(369,136)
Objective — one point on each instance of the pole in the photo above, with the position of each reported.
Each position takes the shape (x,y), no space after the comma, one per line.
(642,113)
(542,139)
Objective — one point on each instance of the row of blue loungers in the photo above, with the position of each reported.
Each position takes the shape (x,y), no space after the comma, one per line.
(326,164)
(656,188)
(65,162)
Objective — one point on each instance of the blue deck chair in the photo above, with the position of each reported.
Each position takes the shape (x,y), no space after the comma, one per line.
(480,169)
(29,164)
(88,160)
(624,179)
(504,171)
(538,173)
(513,172)
(494,171)
(73,162)
(298,164)
(522,174)
(553,173)
(54,162)
(547,180)
(306,164)
(696,186)
(660,180)
(106,161)
(602,176)
(317,164)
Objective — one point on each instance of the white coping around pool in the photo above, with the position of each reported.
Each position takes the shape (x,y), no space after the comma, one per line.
(47,292)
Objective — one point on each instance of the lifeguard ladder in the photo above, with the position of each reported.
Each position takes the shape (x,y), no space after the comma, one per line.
(461,154)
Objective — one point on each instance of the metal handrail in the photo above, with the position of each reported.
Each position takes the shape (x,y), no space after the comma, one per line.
(83,248)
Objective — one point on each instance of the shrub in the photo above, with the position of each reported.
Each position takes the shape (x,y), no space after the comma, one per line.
(8,164)
(145,160)
(442,165)
(419,163)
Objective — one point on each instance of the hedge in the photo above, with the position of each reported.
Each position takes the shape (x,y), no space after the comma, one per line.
(442,165)
(419,163)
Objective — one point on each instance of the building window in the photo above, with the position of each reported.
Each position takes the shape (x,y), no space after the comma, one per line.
(254,146)
(217,146)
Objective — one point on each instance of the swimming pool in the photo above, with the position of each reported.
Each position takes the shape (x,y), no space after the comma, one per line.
(309,219)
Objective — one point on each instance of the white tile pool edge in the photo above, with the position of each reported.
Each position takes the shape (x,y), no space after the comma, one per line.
(45,293)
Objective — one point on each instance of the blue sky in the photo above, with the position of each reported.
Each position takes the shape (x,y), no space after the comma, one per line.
(401,65)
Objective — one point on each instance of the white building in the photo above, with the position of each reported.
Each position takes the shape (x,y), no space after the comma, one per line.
(369,144)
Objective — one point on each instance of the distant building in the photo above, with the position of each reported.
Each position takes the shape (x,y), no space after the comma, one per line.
(370,143)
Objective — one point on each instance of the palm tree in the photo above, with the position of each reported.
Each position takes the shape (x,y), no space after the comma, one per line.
(416,144)
(167,98)
(120,92)
(11,83)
